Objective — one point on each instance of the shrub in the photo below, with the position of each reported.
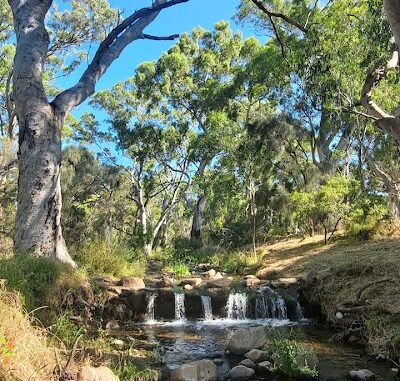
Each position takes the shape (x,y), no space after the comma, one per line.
(34,278)
(116,260)
(291,359)
(178,269)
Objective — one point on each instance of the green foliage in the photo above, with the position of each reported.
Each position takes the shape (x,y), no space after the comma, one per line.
(117,260)
(65,331)
(32,277)
(129,372)
(291,358)
(179,269)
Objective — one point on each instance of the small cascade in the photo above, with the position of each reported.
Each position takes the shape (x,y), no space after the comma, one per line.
(149,317)
(269,305)
(299,312)
(236,306)
(207,308)
(180,307)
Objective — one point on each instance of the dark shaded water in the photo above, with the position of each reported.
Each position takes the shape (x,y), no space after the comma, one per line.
(189,341)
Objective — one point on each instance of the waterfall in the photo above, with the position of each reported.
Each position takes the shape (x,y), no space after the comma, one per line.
(269,305)
(299,312)
(207,309)
(180,307)
(237,306)
(149,317)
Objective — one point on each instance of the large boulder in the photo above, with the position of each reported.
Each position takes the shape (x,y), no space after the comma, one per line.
(203,370)
(361,375)
(245,339)
(241,372)
(218,283)
(256,355)
(131,283)
(194,282)
(167,282)
(102,373)
(248,364)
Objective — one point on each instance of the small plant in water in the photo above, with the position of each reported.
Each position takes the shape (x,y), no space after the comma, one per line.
(293,359)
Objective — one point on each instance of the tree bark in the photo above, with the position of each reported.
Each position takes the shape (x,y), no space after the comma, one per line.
(38,219)
(37,226)
(197,223)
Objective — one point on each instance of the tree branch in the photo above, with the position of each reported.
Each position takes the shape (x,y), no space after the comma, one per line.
(282,16)
(117,40)
(156,38)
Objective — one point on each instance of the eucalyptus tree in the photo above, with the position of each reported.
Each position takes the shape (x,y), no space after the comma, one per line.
(40,121)
(194,77)
(156,143)
(365,54)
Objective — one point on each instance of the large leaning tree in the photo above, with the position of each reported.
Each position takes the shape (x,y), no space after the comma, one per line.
(37,226)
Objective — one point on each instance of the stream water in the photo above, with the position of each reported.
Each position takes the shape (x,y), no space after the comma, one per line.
(183,340)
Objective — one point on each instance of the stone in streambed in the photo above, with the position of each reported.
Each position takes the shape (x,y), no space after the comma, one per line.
(245,339)
(241,372)
(361,375)
(257,355)
(248,364)
(203,370)
(102,373)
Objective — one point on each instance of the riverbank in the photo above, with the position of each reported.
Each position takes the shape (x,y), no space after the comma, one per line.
(355,285)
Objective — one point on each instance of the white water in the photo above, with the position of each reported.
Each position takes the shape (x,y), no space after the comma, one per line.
(149,317)
(207,308)
(269,305)
(180,307)
(236,306)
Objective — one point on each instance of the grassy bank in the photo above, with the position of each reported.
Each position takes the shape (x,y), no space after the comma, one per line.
(358,279)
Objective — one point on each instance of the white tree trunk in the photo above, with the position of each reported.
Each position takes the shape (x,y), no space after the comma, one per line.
(38,219)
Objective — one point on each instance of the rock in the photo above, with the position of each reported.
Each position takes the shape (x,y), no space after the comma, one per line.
(218,276)
(265,366)
(241,372)
(210,273)
(248,364)
(188,287)
(167,282)
(256,355)
(203,370)
(195,282)
(88,373)
(245,339)
(112,325)
(250,277)
(119,344)
(218,283)
(339,315)
(132,283)
(252,282)
(218,361)
(361,375)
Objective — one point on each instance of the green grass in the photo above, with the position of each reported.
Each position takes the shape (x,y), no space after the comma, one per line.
(116,260)
(35,278)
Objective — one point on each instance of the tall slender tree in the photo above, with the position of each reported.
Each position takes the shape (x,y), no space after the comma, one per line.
(38,219)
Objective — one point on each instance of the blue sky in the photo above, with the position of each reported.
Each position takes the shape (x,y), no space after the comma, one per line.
(175,20)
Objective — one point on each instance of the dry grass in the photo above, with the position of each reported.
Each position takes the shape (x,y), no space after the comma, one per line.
(24,354)
(363,274)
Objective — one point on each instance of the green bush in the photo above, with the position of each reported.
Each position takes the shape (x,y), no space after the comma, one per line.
(32,277)
(290,359)
(116,260)
(179,269)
